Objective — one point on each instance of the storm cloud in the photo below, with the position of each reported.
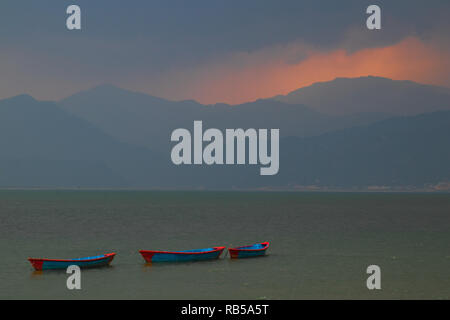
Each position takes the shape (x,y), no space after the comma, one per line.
(159,46)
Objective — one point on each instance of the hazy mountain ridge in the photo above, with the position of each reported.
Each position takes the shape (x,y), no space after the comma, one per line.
(344,96)
(39,137)
(398,151)
(92,139)
(148,121)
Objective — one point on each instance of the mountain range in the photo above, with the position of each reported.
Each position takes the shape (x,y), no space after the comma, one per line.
(344,96)
(347,133)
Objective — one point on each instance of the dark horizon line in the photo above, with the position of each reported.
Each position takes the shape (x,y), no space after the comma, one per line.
(404,190)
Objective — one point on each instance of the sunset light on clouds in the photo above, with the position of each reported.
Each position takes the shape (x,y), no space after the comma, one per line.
(219,51)
(217,129)
(246,77)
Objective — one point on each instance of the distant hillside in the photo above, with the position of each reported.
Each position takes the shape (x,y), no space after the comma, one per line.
(148,121)
(42,145)
(370,94)
(404,152)
(129,116)
(395,152)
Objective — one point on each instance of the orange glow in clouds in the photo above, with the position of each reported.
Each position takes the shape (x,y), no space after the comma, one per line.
(237,81)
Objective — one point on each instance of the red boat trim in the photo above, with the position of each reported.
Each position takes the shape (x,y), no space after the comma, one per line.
(179,252)
(108,255)
(265,244)
(37,264)
(147,256)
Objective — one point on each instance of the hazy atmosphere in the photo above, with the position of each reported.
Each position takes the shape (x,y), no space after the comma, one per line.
(357,109)
(217,51)
(225,149)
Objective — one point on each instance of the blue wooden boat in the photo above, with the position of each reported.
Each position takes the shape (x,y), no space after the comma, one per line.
(87,262)
(255,250)
(181,256)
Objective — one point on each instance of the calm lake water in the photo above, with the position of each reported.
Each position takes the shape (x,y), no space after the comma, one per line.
(321,244)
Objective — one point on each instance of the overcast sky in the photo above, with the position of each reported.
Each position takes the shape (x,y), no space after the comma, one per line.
(217,51)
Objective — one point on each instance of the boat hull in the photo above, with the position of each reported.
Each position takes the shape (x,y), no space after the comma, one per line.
(182,256)
(88,262)
(255,250)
